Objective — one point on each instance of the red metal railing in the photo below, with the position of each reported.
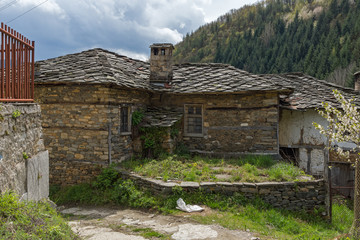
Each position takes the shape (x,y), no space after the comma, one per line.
(16,66)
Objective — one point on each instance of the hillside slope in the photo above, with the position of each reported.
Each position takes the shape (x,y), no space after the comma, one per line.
(320,38)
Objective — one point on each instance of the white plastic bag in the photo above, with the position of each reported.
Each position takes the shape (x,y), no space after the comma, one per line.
(181,205)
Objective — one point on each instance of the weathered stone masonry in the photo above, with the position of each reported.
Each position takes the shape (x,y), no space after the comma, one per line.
(234,124)
(23,160)
(83,96)
(287,195)
(77,120)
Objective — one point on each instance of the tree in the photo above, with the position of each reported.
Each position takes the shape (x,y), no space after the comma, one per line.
(344,126)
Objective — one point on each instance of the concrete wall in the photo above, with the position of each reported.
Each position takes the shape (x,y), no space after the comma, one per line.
(296,128)
(233,124)
(24,160)
(79,122)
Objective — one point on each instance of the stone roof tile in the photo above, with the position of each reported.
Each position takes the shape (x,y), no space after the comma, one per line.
(309,91)
(98,66)
(161,117)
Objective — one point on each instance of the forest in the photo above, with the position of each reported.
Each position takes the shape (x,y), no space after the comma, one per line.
(320,38)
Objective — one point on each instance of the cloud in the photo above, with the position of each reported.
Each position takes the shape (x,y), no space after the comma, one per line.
(49,6)
(129,26)
(131,54)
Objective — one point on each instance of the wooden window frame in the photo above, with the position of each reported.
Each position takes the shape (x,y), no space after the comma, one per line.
(187,115)
(128,132)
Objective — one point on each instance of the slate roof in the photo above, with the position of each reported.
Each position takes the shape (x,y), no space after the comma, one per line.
(161,117)
(309,92)
(95,66)
(98,66)
(218,78)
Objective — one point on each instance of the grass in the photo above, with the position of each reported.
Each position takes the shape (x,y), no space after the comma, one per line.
(282,224)
(149,233)
(233,212)
(185,168)
(30,220)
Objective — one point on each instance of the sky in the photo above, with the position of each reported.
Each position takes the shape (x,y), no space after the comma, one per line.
(127,27)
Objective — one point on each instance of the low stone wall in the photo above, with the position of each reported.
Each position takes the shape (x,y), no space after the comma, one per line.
(286,195)
(24,162)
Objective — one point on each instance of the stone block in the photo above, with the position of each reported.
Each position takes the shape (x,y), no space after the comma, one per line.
(38,176)
(269,184)
(189,185)
(264,191)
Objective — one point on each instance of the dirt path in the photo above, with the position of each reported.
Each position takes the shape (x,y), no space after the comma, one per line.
(110,223)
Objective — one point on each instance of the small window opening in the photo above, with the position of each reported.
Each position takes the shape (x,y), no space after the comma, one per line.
(163,51)
(156,51)
(124,118)
(290,154)
(193,119)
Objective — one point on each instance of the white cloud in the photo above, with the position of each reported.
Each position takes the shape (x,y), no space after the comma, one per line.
(50,6)
(128,26)
(131,54)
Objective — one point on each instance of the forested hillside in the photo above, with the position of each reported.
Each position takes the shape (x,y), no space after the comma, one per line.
(320,38)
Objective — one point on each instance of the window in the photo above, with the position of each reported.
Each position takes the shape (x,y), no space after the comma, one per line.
(163,51)
(156,51)
(193,120)
(125,123)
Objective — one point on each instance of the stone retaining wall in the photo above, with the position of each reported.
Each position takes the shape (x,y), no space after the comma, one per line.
(24,162)
(286,195)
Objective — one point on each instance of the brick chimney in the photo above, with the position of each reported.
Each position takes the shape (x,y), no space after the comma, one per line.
(357,81)
(161,71)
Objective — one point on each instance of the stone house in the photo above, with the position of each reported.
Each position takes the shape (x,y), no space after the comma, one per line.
(88,100)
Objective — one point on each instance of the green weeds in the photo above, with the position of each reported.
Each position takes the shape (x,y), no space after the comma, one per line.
(233,212)
(185,168)
(16,114)
(30,220)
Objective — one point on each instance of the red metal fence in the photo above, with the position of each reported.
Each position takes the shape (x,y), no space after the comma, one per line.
(16,67)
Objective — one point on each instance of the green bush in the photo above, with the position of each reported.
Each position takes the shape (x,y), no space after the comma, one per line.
(137,117)
(107,178)
(126,193)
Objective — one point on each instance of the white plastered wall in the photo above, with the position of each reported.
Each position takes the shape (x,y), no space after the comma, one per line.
(296,130)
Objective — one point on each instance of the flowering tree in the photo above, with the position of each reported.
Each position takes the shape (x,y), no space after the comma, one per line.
(344,126)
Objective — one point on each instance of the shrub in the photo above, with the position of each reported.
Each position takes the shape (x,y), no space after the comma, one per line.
(107,178)
(30,220)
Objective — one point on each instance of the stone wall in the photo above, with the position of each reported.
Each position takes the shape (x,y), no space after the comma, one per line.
(23,159)
(233,124)
(286,195)
(80,122)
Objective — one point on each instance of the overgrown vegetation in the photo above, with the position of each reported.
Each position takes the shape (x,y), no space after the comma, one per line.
(29,220)
(137,117)
(234,212)
(186,168)
(320,38)
(153,138)
(16,114)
